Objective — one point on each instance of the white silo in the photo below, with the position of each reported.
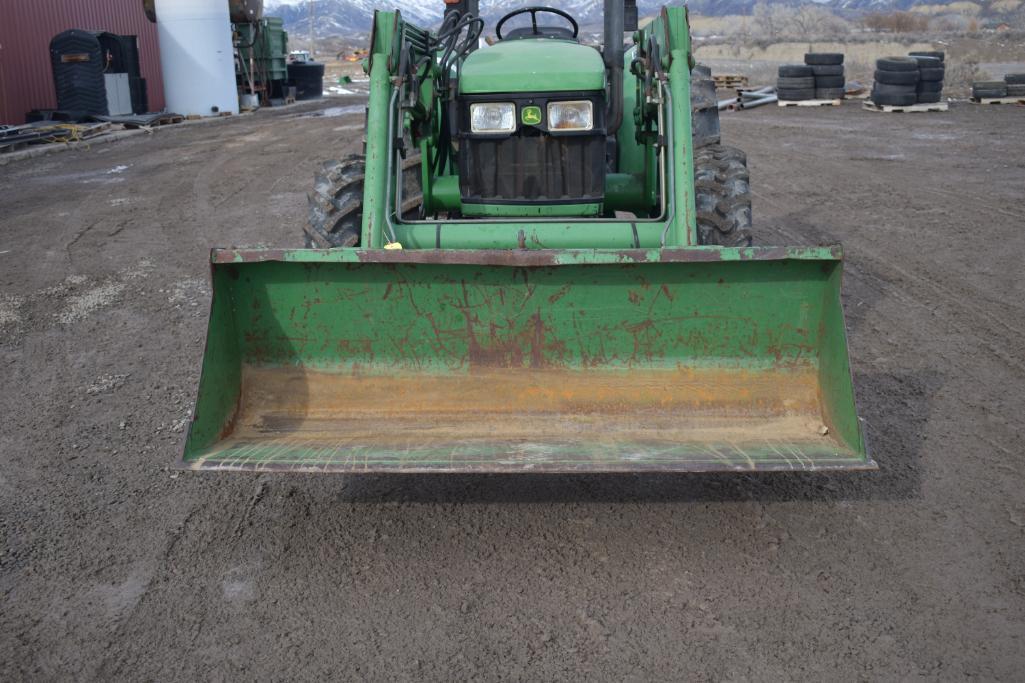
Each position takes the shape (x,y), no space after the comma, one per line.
(196,56)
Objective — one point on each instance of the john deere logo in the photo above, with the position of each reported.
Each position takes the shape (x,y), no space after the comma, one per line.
(531,116)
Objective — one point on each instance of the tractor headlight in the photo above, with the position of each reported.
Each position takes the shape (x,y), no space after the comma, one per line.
(493,117)
(567,116)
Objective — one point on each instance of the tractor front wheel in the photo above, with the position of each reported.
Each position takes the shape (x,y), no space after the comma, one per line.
(722,193)
(335,218)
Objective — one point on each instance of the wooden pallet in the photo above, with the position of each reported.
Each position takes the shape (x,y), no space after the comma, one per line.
(18,138)
(810,103)
(906,109)
(999,100)
(730,81)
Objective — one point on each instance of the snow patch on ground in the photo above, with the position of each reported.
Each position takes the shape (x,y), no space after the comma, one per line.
(187,292)
(65,286)
(106,384)
(10,314)
(81,305)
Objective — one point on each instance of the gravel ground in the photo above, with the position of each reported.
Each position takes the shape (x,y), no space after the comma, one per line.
(112,566)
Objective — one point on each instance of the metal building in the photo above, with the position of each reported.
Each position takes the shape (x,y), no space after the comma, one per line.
(26,27)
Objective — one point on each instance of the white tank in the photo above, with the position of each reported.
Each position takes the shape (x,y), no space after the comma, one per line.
(196,56)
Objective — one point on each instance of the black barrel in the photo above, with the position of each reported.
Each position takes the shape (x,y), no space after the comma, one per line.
(78,62)
(308,79)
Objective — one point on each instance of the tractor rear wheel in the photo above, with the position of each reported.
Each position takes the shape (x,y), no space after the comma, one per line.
(722,193)
(704,107)
(335,218)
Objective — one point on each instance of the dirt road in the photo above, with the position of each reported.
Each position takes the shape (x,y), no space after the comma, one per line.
(114,567)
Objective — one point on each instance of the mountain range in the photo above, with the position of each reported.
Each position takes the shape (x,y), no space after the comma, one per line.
(348,17)
(340,17)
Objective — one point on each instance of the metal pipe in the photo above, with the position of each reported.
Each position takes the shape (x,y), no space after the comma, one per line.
(613,55)
(751,104)
(726,104)
(754,94)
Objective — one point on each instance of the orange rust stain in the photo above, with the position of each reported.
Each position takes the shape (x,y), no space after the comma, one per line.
(659,406)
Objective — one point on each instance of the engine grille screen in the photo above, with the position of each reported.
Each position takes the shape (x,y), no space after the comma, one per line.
(532,167)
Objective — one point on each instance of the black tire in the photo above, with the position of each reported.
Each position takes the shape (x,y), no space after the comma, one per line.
(888,89)
(829,93)
(989,89)
(722,193)
(823,58)
(897,64)
(701,71)
(927,62)
(801,83)
(704,107)
(897,77)
(987,94)
(929,97)
(930,86)
(829,82)
(335,217)
(827,70)
(895,100)
(927,53)
(1016,90)
(795,71)
(930,74)
(790,95)
(1014,79)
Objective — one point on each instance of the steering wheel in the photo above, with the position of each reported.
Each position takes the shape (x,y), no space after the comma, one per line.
(532,11)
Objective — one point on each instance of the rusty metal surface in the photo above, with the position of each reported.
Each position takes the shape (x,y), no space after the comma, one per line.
(556,361)
(26,28)
(523,420)
(527,257)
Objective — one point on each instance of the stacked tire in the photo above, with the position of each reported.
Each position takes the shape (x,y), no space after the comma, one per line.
(1013,85)
(896,81)
(828,71)
(796,83)
(931,71)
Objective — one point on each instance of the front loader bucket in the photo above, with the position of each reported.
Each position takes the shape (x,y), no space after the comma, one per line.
(696,359)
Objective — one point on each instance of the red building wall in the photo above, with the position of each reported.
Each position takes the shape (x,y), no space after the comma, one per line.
(26,27)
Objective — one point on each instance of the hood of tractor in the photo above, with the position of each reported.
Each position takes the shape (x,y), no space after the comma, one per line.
(532,65)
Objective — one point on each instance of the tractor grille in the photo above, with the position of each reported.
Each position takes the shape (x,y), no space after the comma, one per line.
(532,165)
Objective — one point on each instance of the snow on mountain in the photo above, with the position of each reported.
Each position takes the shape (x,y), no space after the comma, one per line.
(341,17)
(349,17)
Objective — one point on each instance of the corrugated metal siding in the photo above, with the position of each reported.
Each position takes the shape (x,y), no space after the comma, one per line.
(26,27)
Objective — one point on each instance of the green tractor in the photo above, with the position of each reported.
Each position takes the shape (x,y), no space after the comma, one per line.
(542,263)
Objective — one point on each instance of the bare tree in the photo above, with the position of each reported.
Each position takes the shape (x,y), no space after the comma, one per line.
(767,19)
(808,21)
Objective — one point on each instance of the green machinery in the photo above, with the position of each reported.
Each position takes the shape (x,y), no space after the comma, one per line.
(542,263)
(261,49)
